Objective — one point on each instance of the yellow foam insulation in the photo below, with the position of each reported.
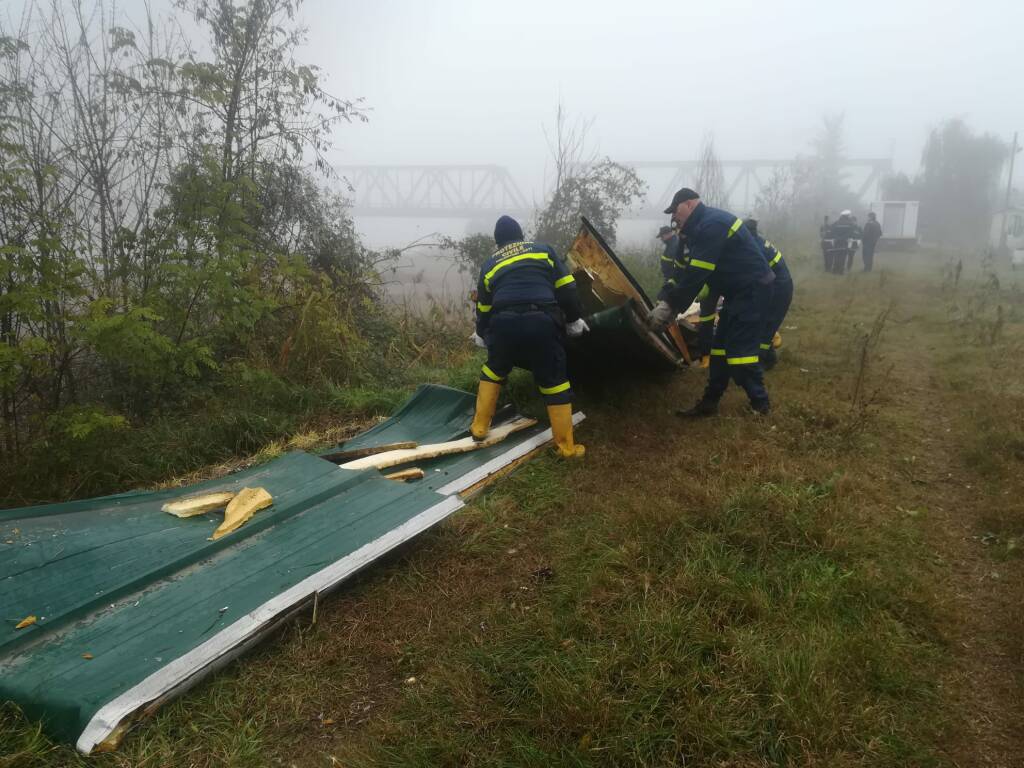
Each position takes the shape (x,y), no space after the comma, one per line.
(198,505)
(247,503)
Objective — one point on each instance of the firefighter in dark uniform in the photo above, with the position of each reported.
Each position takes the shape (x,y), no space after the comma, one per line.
(843,233)
(526,305)
(725,257)
(782,296)
(673,262)
(671,252)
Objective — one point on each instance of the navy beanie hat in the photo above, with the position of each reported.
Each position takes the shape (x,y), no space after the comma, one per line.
(507,230)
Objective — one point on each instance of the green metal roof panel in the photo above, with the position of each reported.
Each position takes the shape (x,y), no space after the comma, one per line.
(433,414)
(157,605)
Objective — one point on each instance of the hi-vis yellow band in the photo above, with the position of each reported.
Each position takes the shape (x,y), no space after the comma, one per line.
(484,307)
(555,389)
(743,360)
(512,260)
(734,228)
(491,374)
(708,318)
(702,264)
(564,281)
(718,352)
(773,262)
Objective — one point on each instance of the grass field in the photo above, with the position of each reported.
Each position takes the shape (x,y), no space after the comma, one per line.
(839,584)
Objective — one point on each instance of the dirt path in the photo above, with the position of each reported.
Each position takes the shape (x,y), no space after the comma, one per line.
(981,585)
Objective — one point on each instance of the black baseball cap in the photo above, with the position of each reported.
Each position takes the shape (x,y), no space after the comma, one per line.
(665,231)
(681,196)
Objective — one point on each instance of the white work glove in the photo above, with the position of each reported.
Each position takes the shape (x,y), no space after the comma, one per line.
(577,328)
(661,316)
(475,338)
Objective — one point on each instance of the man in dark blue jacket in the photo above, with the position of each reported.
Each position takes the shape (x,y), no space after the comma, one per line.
(782,295)
(526,304)
(725,257)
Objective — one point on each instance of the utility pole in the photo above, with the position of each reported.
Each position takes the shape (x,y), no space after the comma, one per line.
(1009,189)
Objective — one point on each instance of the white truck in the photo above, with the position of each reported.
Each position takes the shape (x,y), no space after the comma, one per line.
(899,223)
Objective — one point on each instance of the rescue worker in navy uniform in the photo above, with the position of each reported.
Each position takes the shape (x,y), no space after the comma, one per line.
(782,296)
(844,233)
(725,257)
(671,270)
(671,252)
(673,259)
(526,305)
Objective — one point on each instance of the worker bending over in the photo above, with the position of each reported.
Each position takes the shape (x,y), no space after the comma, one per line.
(526,305)
(782,296)
(725,257)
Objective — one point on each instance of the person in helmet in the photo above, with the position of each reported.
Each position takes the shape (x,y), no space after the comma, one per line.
(526,305)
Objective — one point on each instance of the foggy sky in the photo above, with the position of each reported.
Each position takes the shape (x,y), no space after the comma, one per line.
(475,81)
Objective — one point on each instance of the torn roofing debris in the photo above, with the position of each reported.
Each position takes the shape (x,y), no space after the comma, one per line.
(113,606)
(135,605)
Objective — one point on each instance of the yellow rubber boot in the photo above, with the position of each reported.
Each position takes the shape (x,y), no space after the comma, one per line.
(705,361)
(561,428)
(486,404)
(777,340)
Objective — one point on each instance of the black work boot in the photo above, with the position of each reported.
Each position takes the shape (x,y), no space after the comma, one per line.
(703,407)
(761,407)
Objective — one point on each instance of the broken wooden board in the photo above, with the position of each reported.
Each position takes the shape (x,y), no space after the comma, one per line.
(604,283)
(405,475)
(340,457)
(423,452)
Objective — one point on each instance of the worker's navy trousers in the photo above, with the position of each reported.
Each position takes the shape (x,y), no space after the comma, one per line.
(533,340)
(706,326)
(782,297)
(736,348)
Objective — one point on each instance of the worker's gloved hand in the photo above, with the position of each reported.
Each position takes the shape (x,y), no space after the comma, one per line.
(577,328)
(476,339)
(661,316)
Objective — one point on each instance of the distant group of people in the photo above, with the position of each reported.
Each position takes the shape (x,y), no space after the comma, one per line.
(839,241)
